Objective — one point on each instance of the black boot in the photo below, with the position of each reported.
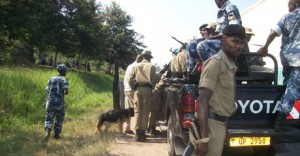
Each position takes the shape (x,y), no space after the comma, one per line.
(153,130)
(280,123)
(137,136)
(47,135)
(143,136)
(56,136)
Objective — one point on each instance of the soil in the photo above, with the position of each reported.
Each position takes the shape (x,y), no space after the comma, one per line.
(126,146)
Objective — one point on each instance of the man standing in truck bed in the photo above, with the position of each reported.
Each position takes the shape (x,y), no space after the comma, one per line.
(288,27)
(217,92)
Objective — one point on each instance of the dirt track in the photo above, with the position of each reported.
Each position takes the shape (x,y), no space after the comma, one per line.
(126,146)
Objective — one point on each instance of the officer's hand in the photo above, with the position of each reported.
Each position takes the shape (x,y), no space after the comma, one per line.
(263,50)
(202,149)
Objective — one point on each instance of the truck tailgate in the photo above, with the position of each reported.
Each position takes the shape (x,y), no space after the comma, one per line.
(257,105)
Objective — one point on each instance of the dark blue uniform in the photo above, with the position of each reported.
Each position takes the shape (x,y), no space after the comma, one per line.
(55,104)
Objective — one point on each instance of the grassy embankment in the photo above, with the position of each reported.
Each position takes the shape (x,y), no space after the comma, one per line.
(22,108)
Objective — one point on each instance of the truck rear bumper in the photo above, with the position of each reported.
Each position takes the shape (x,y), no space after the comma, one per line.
(293,135)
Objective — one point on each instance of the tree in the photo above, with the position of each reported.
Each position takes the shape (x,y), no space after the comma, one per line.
(86,25)
(124,43)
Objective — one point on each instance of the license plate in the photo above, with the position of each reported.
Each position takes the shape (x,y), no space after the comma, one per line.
(249,141)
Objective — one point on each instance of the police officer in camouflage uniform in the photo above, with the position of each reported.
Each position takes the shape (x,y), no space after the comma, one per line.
(57,88)
(288,26)
(228,14)
(191,53)
(141,79)
(208,47)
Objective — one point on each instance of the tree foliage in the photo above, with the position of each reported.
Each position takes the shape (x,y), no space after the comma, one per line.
(70,27)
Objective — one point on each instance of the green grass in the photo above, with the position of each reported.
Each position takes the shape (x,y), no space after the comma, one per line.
(22,108)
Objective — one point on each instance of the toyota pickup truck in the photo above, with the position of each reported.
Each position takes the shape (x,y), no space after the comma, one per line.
(257,98)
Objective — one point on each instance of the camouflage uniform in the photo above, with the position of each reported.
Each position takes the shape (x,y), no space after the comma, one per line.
(228,14)
(191,54)
(207,48)
(288,27)
(55,104)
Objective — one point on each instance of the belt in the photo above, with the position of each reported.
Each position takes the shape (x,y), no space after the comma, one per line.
(145,85)
(217,117)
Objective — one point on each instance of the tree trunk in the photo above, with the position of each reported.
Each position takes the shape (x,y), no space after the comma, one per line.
(55,59)
(116,91)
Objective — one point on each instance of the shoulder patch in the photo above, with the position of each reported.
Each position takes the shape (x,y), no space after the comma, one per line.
(218,57)
(230,18)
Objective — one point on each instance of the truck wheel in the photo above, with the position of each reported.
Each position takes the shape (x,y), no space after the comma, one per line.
(170,138)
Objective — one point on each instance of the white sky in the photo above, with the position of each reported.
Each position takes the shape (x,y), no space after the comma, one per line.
(157,20)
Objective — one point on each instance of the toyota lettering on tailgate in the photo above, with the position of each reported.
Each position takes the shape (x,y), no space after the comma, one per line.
(257,106)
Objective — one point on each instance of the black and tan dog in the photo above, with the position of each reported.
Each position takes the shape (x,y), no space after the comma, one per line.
(112,116)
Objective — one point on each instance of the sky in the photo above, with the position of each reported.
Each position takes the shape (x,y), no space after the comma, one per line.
(158,20)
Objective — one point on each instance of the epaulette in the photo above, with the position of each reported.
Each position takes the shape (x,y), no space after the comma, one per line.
(218,57)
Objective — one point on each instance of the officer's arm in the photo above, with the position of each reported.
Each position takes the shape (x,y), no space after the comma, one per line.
(202,112)
(264,48)
(152,76)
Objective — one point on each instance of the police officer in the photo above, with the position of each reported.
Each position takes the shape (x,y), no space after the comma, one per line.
(57,88)
(128,92)
(288,26)
(142,80)
(228,14)
(192,58)
(208,47)
(217,92)
(180,64)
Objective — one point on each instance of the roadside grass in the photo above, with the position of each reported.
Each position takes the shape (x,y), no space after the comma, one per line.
(22,108)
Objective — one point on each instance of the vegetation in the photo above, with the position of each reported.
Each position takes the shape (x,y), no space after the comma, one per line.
(79,29)
(22,108)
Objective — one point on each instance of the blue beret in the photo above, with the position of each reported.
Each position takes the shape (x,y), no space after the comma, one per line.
(61,67)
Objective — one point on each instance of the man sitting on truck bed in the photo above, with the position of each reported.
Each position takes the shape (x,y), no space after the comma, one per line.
(217,92)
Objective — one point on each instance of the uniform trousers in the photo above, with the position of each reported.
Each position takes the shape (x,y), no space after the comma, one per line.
(142,101)
(57,112)
(217,137)
(129,103)
(292,91)
(155,108)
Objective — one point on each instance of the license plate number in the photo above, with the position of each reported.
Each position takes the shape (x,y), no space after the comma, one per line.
(249,141)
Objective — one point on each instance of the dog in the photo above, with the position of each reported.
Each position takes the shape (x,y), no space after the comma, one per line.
(120,116)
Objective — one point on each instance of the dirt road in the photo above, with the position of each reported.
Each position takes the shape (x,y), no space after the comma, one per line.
(154,146)
(126,146)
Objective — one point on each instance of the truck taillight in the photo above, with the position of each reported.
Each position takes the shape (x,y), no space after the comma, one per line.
(187,99)
(188,109)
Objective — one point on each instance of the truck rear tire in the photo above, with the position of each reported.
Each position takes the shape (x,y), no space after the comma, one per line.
(171,138)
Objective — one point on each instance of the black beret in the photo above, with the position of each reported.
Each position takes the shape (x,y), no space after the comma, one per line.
(203,26)
(234,30)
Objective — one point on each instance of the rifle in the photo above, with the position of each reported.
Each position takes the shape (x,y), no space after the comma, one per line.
(183,44)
